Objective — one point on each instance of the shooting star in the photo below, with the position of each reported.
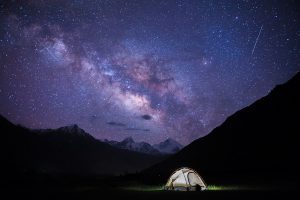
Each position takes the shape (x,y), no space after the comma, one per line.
(257,38)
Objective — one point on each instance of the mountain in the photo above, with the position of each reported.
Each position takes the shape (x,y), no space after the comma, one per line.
(259,140)
(130,144)
(66,150)
(74,130)
(169,146)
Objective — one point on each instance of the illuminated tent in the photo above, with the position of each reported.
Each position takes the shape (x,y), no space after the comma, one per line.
(185,179)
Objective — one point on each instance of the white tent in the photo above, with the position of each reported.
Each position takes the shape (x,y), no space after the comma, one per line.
(185,179)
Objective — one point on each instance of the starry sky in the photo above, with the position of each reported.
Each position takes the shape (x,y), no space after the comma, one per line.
(148,69)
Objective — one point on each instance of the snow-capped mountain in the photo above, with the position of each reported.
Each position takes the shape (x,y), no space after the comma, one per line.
(72,130)
(130,144)
(168,146)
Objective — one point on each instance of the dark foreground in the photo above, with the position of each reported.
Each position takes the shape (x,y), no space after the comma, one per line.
(98,193)
(120,189)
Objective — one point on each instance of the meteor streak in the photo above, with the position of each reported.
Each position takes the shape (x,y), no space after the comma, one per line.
(257,38)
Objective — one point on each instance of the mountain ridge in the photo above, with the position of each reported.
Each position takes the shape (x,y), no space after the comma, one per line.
(169,146)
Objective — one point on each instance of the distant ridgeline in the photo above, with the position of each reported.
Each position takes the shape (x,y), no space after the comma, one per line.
(67,150)
(168,146)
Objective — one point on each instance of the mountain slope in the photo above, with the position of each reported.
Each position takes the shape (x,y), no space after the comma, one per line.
(67,150)
(261,138)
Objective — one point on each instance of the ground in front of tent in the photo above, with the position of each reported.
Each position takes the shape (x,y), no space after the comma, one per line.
(98,188)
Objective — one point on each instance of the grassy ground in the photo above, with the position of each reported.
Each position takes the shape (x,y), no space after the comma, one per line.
(148,192)
(116,189)
(148,188)
(145,193)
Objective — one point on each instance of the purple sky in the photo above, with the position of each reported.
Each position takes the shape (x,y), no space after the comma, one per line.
(146,69)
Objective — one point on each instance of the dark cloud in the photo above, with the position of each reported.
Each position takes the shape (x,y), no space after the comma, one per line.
(137,129)
(146,117)
(115,123)
(93,118)
(132,129)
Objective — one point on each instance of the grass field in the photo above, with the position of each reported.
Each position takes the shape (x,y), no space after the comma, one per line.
(117,189)
(161,188)
(146,193)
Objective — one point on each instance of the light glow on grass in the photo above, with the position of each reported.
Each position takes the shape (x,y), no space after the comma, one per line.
(217,187)
(144,188)
(228,188)
(149,188)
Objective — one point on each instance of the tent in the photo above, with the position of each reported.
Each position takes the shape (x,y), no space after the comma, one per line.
(185,179)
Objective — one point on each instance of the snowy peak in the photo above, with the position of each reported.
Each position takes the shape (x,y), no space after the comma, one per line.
(168,146)
(73,129)
(130,144)
(128,140)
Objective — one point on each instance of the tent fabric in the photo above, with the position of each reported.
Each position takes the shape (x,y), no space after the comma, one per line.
(185,179)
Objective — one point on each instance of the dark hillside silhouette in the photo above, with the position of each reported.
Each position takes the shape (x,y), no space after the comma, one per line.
(258,140)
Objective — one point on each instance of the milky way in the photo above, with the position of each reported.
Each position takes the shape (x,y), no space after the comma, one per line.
(146,69)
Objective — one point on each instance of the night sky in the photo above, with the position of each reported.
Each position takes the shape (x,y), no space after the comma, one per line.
(146,69)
